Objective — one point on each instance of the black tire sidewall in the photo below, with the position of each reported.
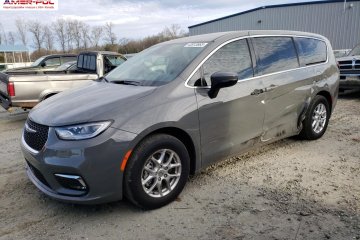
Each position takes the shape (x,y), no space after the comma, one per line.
(308,130)
(133,186)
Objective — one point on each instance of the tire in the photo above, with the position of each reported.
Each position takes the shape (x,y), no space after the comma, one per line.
(317,114)
(144,176)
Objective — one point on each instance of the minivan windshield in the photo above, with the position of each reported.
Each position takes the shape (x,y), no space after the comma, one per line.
(355,51)
(157,65)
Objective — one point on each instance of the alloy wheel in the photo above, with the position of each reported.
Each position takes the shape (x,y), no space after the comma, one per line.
(161,173)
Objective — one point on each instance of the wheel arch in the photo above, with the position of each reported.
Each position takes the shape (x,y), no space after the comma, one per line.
(180,134)
(47,93)
(328,97)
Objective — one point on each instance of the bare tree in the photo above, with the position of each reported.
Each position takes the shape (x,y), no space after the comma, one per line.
(95,36)
(69,34)
(76,32)
(110,36)
(3,37)
(37,30)
(21,30)
(59,27)
(11,38)
(85,35)
(174,31)
(48,38)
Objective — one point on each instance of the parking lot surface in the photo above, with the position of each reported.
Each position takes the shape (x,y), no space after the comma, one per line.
(291,189)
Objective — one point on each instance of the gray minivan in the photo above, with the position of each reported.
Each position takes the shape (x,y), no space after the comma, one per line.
(176,108)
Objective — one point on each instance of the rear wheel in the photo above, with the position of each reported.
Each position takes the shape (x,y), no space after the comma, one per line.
(157,171)
(316,119)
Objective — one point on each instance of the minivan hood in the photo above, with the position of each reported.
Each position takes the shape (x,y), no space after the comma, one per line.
(96,102)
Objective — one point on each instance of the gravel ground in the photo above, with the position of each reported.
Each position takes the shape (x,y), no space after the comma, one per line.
(287,190)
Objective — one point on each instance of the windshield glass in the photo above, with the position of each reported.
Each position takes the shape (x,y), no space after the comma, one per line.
(355,51)
(37,62)
(157,65)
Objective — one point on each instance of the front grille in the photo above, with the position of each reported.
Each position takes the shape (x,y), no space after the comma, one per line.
(35,135)
(345,62)
(350,72)
(38,174)
(349,65)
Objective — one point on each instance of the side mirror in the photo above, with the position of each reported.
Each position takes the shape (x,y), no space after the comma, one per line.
(221,80)
(43,64)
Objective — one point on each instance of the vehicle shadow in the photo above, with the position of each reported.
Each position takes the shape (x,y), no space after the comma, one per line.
(351,94)
(15,115)
(123,206)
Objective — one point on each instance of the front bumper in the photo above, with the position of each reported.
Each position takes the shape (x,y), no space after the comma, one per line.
(348,82)
(97,161)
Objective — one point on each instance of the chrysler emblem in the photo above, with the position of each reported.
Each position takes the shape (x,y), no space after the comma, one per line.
(29,129)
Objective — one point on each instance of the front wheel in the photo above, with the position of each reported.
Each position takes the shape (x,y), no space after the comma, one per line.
(157,171)
(316,119)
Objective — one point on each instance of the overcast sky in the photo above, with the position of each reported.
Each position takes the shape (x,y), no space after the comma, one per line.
(136,19)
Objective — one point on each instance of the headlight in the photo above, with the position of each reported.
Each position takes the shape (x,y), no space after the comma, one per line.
(82,131)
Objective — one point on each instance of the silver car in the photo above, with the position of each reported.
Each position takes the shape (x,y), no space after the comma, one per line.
(176,108)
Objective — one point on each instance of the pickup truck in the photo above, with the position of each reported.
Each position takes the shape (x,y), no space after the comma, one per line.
(26,89)
(350,70)
(46,63)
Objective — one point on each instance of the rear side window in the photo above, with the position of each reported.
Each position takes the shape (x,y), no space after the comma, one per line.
(92,65)
(275,54)
(53,62)
(311,51)
(80,61)
(87,62)
(233,57)
(68,59)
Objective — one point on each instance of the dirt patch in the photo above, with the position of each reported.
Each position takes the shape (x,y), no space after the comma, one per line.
(287,190)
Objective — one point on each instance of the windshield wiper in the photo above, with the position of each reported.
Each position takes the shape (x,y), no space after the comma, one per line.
(103,78)
(127,82)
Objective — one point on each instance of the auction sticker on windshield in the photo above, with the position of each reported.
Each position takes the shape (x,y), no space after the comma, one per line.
(29,5)
(196,45)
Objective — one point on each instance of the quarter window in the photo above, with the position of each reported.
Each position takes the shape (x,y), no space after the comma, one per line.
(233,57)
(275,54)
(311,51)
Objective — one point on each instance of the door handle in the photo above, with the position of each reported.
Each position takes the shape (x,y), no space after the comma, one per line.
(271,87)
(257,92)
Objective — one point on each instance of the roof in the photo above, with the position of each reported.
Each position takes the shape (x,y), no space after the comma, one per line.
(100,52)
(61,55)
(273,6)
(211,37)
(13,48)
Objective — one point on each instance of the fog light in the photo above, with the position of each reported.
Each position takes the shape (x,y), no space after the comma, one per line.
(71,181)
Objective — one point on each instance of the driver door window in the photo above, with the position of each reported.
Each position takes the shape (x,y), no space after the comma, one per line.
(233,57)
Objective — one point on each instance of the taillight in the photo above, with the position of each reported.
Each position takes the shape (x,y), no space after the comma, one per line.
(11,89)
